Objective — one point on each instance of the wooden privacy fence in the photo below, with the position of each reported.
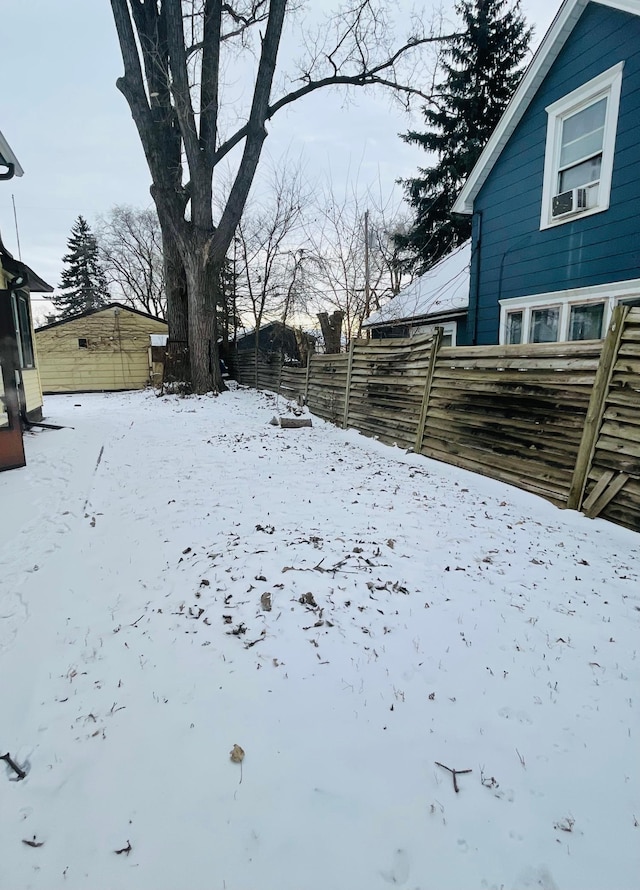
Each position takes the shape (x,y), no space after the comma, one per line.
(561,420)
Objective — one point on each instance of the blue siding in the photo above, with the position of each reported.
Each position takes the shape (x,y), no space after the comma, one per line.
(516,258)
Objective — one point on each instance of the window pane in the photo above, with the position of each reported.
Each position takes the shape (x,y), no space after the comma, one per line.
(586,322)
(581,174)
(544,325)
(514,327)
(582,133)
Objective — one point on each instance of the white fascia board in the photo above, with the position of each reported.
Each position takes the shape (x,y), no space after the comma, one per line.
(545,56)
(9,157)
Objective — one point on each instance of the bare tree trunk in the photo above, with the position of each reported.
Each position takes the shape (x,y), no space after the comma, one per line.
(202,290)
(306,345)
(331,327)
(176,286)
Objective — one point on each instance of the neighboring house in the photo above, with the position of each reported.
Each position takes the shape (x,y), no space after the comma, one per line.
(104,349)
(20,390)
(440,297)
(554,196)
(273,337)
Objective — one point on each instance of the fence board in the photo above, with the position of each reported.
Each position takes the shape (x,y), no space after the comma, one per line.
(617,446)
(515,413)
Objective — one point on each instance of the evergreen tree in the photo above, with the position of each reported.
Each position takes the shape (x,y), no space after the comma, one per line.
(83,279)
(482,67)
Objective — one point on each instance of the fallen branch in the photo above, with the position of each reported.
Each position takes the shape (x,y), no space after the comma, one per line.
(14,766)
(317,568)
(454,773)
(291,423)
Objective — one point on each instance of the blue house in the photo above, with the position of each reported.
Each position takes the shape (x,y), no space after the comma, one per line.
(555,195)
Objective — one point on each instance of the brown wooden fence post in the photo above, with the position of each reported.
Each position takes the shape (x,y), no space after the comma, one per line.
(596,408)
(422,420)
(306,379)
(345,418)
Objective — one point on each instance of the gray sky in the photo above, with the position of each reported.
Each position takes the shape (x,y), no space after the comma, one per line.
(72,131)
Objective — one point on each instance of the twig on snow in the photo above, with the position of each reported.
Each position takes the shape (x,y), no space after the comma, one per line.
(14,766)
(454,773)
(34,843)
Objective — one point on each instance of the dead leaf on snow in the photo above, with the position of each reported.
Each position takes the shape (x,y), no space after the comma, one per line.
(236,754)
(265,602)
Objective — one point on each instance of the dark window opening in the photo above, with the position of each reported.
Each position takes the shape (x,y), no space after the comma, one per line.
(22,322)
(83,343)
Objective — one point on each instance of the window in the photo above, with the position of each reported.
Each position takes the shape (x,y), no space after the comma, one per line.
(449,331)
(581,313)
(83,343)
(514,327)
(544,325)
(22,322)
(585,322)
(578,166)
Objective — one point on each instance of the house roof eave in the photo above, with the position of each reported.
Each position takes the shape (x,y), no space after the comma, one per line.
(8,159)
(436,318)
(121,306)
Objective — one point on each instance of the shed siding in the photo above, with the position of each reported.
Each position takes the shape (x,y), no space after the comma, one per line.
(32,392)
(116,356)
(517,258)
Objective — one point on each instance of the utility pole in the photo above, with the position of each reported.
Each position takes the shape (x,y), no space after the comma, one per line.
(367,291)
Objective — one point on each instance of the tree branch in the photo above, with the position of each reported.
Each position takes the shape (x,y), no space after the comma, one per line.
(363,78)
(255,129)
(180,83)
(210,77)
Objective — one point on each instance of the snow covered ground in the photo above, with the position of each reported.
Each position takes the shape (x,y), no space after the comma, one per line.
(179,577)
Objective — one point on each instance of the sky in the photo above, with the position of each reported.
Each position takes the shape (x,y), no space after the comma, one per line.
(358,634)
(72,131)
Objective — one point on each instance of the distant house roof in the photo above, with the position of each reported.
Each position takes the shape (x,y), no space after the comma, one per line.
(443,290)
(121,306)
(8,159)
(546,54)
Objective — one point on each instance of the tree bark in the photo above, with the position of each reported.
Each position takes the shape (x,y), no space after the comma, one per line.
(331,327)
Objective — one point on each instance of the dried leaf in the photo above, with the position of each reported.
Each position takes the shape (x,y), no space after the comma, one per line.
(265,602)
(236,754)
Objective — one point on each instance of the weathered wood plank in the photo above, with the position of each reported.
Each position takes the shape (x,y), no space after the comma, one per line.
(597,490)
(627,431)
(596,408)
(605,496)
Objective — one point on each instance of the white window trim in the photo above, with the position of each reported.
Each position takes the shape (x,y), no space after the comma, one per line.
(609,84)
(609,294)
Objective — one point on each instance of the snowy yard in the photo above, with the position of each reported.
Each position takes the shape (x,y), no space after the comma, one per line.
(180,577)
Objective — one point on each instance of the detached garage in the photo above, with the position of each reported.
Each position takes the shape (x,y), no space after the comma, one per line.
(105,349)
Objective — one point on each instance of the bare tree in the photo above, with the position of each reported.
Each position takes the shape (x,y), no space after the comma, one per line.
(130,243)
(357,263)
(268,262)
(268,250)
(174,57)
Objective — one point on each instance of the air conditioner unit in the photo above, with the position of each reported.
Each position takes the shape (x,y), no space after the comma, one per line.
(569,202)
